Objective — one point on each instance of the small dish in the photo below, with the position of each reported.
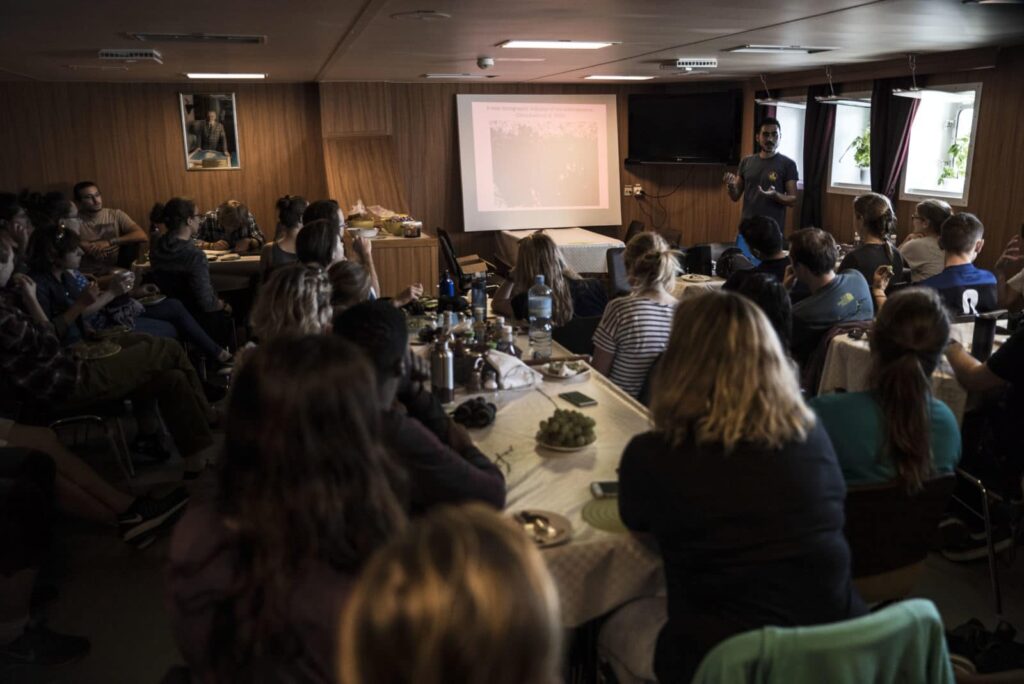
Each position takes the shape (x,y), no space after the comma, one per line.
(545,528)
(152,299)
(564,449)
(230,257)
(367,233)
(695,278)
(570,370)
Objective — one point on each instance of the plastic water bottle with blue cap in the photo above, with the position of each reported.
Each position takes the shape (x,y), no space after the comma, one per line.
(539,307)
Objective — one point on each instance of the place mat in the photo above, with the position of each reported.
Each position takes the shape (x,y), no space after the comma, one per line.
(603,514)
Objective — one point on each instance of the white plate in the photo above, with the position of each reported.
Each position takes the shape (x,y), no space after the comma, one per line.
(558,531)
(695,278)
(564,448)
(152,299)
(548,373)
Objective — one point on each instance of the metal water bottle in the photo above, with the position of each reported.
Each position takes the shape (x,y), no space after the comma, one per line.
(442,371)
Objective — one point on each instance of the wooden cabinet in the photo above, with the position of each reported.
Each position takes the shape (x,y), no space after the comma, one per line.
(403,261)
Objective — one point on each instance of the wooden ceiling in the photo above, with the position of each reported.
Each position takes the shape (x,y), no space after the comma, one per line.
(345,40)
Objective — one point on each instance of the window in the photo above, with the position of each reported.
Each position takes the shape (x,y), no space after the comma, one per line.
(850,171)
(939,160)
(791,144)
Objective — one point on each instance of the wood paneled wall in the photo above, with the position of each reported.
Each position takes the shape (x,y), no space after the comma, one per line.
(997,175)
(127,138)
(422,123)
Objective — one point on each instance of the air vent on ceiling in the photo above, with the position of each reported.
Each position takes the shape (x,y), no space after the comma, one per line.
(143,55)
(224,38)
(691,64)
(95,67)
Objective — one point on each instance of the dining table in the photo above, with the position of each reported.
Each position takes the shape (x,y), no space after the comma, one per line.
(597,569)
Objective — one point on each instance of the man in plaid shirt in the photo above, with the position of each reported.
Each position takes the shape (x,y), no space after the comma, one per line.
(230,226)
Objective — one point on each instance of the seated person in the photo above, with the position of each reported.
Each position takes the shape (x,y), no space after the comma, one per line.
(897,430)
(296,301)
(835,298)
(442,463)
(571,295)
(289,222)
(739,486)
(229,226)
(771,296)
(176,255)
(465,576)
(103,230)
(16,224)
(765,240)
(875,220)
(330,213)
(965,289)
(321,243)
(921,248)
(26,523)
(1010,275)
(55,255)
(147,369)
(350,285)
(259,571)
(635,329)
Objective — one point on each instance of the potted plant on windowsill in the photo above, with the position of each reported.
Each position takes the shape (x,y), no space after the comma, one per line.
(861,146)
(955,165)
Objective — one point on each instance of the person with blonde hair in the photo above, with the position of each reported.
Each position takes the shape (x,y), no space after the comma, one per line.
(921,248)
(295,301)
(635,329)
(230,226)
(875,220)
(741,488)
(571,295)
(463,597)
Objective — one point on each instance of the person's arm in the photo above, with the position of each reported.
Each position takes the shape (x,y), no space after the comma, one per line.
(734,185)
(974,375)
(364,250)
(128,231)
(251,238)
(879,284)
(605,339)
(787,198)
(1008,266)
(27,289)
(634,495)
(603,361)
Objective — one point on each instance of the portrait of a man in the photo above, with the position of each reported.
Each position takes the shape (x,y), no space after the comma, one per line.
(210,130)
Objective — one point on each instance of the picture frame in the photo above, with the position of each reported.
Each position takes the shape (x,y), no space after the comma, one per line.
(209,129)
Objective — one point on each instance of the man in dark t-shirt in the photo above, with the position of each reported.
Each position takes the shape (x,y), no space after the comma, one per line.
(767,180)
(965,289)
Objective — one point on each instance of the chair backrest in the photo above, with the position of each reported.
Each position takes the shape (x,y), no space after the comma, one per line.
(901,643)
(618,280)
(888,528)
(699,257)
(578,334)
(635,228)
(451,261)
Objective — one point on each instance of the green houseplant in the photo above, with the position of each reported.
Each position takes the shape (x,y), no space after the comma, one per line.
(861,146)
(955,165)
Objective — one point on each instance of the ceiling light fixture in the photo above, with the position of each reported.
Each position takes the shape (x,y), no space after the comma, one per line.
(458,76)
(834,99)
(421,15)
(916,93)
(774,49)
(992,2)
(556,44)
(598,77)
(769,101)
(203,76)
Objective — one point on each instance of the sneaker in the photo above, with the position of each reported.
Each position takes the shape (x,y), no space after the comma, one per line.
(147,514)
(38,645)
(151,447)
(970,549)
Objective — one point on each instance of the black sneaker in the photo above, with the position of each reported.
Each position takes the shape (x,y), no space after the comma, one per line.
(38,645)
(151,447)
(147,514)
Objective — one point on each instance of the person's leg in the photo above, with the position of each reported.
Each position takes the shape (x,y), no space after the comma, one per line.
(174,312)
(154,326)
(80,489)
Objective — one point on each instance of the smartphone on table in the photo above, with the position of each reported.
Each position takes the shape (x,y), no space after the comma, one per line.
(578,399)
(604,490)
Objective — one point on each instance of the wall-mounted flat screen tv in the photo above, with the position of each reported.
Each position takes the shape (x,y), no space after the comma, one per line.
(689,128)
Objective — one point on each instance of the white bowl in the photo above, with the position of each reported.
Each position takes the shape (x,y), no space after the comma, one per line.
(363,232)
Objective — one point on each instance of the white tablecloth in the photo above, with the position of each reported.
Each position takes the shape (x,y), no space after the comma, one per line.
(584,250)
(848,363)
(685,288)
(597,571)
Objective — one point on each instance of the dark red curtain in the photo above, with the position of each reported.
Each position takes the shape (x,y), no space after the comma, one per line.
(891,118)
(761,112)
(819,125)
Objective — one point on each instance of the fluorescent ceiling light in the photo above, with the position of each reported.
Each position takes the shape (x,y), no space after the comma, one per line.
(617,78)
(964,96)
(800,49)
(772,102)
(460,76)
(838,100)
(224,76)
(556,44)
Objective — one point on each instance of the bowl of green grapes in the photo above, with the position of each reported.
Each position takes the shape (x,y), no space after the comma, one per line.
(567,430)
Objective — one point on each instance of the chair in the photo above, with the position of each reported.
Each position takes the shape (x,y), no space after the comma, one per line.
(457,265)
(635,228)
(699,258)
(890,532)
(618,280)
(901,643)
(578,334)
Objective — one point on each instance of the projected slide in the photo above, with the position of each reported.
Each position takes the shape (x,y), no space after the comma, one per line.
(538,161)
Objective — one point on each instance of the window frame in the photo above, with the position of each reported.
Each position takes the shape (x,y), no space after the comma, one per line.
(952,198)
(851,189)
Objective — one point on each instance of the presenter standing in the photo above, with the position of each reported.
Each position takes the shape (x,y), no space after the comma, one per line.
(766,181)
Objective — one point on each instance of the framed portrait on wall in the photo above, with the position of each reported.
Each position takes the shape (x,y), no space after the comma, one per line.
(209,125)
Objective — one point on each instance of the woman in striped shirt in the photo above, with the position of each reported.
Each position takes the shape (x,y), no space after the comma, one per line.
(635,329)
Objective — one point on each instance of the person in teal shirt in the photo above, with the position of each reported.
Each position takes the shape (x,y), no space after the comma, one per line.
(897,430)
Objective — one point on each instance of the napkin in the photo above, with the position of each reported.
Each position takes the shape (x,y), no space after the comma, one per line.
(512,373)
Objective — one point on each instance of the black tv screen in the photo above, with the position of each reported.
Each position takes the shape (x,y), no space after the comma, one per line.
(691,128)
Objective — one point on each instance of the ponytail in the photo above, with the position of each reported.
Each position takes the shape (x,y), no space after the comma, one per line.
(174,214)
(650,262)
(289,211)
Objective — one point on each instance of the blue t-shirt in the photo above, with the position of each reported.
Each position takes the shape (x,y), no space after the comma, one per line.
(847,298)
(856,426)
(965,289)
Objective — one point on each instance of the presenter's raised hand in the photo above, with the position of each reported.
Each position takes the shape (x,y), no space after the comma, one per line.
(730,179)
